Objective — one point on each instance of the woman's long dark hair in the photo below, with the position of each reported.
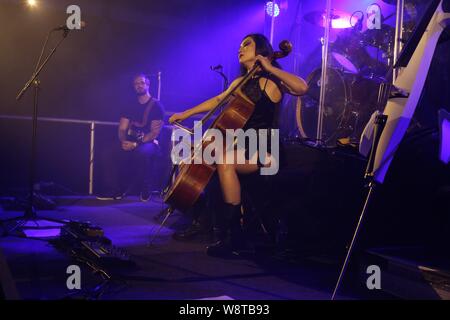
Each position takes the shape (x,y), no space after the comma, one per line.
(263,47)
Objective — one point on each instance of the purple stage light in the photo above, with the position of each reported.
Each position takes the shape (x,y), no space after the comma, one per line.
(272,9)
(444,121)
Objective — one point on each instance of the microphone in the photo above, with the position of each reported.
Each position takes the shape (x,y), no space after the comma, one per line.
(218,67)
(66,29)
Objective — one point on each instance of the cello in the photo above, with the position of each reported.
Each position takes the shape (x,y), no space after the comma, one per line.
(192,178)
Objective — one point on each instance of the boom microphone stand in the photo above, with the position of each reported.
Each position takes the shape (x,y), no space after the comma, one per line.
(30,213)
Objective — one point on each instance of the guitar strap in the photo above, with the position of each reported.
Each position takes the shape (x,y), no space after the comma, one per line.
(147,110)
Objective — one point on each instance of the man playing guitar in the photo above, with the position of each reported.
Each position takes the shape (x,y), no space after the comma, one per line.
(139,127)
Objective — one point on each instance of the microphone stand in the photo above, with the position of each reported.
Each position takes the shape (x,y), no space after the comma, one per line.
(30,213)
(225,80)
(380,122)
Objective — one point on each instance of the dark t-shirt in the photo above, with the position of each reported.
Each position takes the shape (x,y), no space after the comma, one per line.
(142,115)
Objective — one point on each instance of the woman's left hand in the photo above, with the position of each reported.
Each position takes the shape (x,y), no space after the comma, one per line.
(265,62)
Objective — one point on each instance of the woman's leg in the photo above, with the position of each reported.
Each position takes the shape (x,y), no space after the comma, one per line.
(229,183)
(230,230)
(228,176)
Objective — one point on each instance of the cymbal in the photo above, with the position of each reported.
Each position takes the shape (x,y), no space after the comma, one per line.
(339,19)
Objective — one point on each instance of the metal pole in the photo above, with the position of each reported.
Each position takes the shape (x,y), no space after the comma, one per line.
(398,35)
(30,211)
(380,122)
(323,78)
(91,160)
(355,236)
(272,22)
(297,39)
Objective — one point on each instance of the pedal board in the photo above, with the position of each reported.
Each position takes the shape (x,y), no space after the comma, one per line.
(86,242)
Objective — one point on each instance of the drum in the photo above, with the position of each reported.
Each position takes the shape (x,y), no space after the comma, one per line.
(350,99)
(379,45)
(347,52)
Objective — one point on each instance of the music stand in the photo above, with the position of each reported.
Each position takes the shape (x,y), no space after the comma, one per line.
(30,213)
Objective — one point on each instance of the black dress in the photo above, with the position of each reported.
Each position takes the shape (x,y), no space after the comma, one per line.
(265,115)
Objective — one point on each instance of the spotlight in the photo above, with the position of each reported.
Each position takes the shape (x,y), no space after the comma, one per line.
(272,9)
(31,3)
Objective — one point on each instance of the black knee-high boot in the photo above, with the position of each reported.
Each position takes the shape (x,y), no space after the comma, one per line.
(230,232)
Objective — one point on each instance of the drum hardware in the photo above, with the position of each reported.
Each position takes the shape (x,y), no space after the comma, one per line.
(350,99)
(339,19)
(358,60)
(368,53)
(347,52)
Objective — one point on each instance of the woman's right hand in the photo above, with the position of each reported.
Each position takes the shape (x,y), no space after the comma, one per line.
(178,117)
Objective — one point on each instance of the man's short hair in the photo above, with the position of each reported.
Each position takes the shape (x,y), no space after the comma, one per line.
(142,75)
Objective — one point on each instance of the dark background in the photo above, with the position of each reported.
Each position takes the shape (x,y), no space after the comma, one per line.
(90,75)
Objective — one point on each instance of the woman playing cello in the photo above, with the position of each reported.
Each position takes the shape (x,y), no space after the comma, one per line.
(265,89)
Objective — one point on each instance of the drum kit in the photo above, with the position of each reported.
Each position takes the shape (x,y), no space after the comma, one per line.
(357,64)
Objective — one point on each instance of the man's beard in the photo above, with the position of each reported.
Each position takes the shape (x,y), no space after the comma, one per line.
(141,93)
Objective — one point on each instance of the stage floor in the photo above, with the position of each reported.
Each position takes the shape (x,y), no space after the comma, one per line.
(168,269)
